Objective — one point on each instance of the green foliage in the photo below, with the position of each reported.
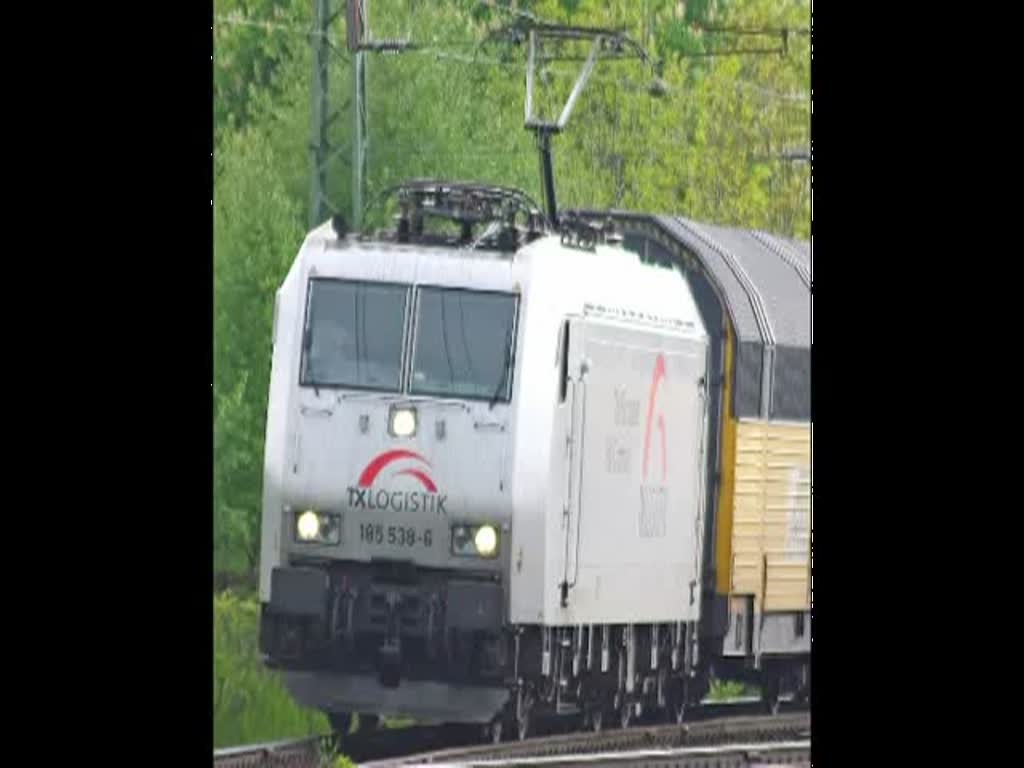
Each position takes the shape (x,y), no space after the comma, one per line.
(252,40)
(730,689)
(330,757)
(257,227)
(250,704)
(679,34)
(571,7)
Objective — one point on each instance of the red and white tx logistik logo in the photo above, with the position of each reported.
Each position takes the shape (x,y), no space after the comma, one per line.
(654,498)
(364,496)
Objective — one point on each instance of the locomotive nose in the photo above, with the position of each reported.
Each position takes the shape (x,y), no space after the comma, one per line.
(398,476)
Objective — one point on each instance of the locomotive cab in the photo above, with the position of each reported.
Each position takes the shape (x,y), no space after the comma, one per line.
(387,492)
(398,455)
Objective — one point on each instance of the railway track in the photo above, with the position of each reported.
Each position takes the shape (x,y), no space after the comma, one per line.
(310,752)
(552,750)
(790,753)
(724,741)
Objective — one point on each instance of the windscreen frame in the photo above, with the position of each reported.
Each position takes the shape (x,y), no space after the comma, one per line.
(306,382)
(505,397)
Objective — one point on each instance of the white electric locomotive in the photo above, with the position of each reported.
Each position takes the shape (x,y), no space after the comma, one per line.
(486,472)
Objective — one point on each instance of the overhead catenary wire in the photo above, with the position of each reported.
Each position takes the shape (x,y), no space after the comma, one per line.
(522,14)
(470,53)
(632,84)
(438,50)
(300,30)
(271,26)
(725,29)
(235,19)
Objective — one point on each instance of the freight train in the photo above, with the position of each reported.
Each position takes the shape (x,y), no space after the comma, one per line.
(520,471)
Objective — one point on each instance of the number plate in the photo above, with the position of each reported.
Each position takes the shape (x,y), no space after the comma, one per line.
(401,536)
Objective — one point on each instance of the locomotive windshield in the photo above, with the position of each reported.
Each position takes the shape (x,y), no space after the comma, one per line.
(353,335)
(464,344)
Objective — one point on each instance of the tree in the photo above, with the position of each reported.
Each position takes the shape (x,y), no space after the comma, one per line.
(257,229)
(252,40)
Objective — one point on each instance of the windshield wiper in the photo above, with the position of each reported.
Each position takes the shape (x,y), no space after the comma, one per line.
(307,346)
(505,368)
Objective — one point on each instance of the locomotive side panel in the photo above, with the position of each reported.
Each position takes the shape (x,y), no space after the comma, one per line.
(538,452)
(275,451)
(629,538)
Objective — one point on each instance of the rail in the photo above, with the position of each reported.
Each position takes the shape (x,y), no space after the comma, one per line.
(306,752)
(420,745)
(791,753)
(638,740)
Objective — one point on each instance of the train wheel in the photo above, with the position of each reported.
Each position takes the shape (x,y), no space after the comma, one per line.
(803,693)
(679,705)
(496,731)
(524,727)
(625,714)
(341,722)
(770,694)
(525,724)
(679,712)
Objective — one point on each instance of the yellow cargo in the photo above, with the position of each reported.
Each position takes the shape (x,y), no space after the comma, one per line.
(763,532)
(771,530)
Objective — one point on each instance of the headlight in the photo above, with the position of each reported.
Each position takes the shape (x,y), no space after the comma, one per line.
(318,528)
(308,525)
(403,422)
(486,540)
(474,540)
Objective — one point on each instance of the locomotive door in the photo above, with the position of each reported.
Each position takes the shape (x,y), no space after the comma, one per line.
(574,395)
